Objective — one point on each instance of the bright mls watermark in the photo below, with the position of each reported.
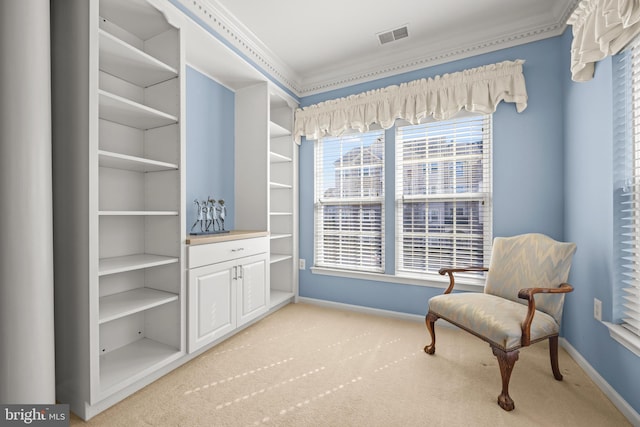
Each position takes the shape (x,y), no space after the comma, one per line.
(34,415)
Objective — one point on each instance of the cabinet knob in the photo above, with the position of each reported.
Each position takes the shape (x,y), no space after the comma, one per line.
(237,250)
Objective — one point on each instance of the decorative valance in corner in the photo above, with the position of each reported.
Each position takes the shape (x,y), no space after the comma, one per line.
(476,90)
(600,28)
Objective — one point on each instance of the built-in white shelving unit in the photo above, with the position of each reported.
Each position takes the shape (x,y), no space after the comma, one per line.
(119,216)
(283,200)
(119,196)
(274,156)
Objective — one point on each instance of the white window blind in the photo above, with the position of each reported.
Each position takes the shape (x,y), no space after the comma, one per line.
(627,187)
(443,195)
(349,202)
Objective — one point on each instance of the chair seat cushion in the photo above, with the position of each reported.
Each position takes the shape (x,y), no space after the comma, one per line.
(494,319)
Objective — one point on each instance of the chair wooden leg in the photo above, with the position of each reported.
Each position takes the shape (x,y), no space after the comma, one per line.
(431,320)
(506,360)
(553,353)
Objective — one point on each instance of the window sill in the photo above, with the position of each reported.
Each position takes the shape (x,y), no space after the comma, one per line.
(625,337)
(433,281)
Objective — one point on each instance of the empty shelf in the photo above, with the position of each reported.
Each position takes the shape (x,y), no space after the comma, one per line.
(277,185)
(128,364)
(279,257)
(125,303)
(121,110)
(275,130)
(279,236)
(279,158)
(131,64)
(278,297)
(109,159)
(132,262)
(138,213)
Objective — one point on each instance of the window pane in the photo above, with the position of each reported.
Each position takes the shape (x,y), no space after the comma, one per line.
(627,187)
(443,197)
(349,202)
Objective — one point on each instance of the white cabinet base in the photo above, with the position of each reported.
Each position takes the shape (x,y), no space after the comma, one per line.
(228,286)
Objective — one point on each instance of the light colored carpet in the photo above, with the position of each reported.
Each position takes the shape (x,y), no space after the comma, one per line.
(314,366)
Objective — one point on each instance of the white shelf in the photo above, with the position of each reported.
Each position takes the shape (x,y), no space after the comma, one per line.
(280,213)
(122,304)
(117,109)
(279,186)
(109,159)
(138,213)
(127,364)
(279,236)
(278,297)
(131,64)
(136,17)
(275,130)
(132,262)
(279,158)
(279,257)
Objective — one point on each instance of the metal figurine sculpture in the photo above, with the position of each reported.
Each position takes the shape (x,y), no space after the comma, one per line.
(209,216)
(209,210)
(199,218)
(222,213)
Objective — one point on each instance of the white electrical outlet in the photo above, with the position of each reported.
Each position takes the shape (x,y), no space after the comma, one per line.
(597,309)
(301,263)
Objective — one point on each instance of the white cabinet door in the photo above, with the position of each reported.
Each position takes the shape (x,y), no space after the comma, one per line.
(212,303)
(253,292)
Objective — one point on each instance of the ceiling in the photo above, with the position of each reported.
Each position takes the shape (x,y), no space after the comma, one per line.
(317,46)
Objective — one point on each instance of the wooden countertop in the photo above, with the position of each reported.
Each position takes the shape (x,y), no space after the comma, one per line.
(225,237)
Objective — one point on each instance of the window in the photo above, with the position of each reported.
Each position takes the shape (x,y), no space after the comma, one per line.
(349,202)
(627,188)
(443,195)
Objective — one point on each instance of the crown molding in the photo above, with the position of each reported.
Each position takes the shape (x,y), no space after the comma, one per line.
(357,74)
(232,32)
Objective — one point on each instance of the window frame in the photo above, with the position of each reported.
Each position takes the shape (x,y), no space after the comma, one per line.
(389,275)
(626,177)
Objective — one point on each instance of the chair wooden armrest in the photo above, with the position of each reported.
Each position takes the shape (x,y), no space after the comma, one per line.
(528,294)
(450,272)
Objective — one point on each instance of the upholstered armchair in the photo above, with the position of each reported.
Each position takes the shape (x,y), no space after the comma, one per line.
(521,304)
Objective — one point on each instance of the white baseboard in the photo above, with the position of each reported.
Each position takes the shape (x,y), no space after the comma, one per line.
(361,309)
(617,400)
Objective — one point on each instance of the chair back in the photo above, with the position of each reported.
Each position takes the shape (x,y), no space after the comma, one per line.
(530,261)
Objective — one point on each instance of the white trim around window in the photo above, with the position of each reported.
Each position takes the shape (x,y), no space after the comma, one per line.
(463,283)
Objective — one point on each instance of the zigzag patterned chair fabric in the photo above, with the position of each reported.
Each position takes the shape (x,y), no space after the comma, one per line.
(507,315)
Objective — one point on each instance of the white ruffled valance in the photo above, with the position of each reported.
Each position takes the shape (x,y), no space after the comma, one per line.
(476,90)
(600,28)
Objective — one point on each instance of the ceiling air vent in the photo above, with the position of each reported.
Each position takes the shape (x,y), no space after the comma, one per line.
(393,35)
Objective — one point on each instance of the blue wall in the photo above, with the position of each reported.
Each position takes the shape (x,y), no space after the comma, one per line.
(589,222)
(210,144)
(528,174)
